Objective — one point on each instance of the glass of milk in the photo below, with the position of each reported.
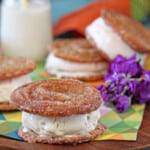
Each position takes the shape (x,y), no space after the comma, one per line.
(26,29)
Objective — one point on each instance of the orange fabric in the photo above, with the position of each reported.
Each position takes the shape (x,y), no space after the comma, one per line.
(78,20)
(96,83)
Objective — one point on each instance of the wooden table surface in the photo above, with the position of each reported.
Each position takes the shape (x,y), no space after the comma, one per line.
(143,141)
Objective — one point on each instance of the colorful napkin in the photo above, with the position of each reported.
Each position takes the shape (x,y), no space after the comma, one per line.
(123,126)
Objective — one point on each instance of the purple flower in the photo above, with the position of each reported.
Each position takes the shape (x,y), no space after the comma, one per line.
(132,86)
(117,64)
(111,86)
(108,77)
(115,100)
(122,103)
(127,66)
(126,82)
(104,93)
(119,59)
(142,93)
(146,74)
(121,79)
(117,83)
(100,87)
(120,89)
(117,78)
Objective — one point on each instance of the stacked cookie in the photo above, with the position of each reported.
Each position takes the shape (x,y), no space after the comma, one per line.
(67,110)
(13,73)
(53,111)
(75,58)
(111,34)
(114,33)
(59,111)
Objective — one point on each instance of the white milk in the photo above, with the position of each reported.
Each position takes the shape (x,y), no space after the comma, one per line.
(26,31)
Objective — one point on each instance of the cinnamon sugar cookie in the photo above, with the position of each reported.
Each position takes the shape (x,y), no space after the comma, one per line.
(6,106)
(75,58)
(32,137)
(13,73)
(59,111)
(75,50)
(115,33)
(131,31)
(15,67)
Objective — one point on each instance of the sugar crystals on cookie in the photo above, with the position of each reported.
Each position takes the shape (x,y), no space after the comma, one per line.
(13,73)
(59,111)
(75,58)
(114,33)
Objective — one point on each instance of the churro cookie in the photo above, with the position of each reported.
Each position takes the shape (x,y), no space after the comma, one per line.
(6,106)
(75,58)
(59,111)
(114,33)
(76,50)
(15,67)
(13,73)
(131,31)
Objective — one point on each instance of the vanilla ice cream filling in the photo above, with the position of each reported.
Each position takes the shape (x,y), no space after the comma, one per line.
(60,126)
(60,67)
(7,86)
(108,40)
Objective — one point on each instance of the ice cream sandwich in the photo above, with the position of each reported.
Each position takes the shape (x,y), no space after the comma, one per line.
(13,73)
(114,33)
(75,58)
(58,111)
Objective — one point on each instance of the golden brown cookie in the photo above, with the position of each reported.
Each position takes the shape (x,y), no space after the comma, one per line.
(12,68)
(131,31)
(88,78)
(76,50)
(57,98)
(15,67)
(7,107)
(32,137)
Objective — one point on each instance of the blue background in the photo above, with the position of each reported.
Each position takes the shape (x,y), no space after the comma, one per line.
(62,7)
